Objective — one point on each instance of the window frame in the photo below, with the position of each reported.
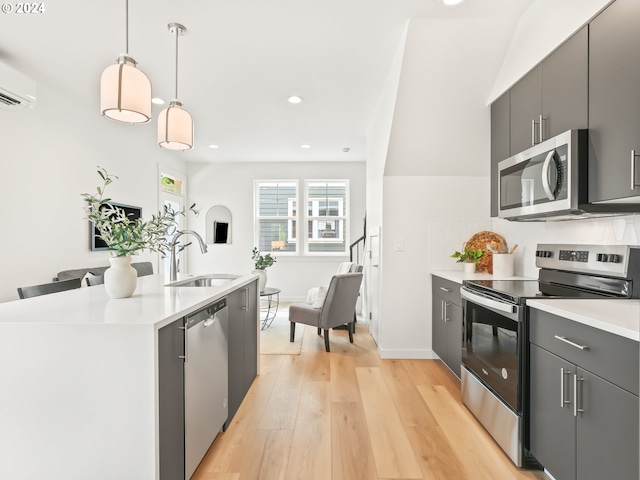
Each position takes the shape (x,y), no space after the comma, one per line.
(290,217)
(304,221)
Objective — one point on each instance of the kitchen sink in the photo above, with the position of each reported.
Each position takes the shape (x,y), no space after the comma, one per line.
(214,280)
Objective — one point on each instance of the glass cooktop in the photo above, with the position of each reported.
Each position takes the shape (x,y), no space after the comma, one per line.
(513,290)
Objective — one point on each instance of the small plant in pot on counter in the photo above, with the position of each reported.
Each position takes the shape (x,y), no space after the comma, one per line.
(469,257)
(261,262)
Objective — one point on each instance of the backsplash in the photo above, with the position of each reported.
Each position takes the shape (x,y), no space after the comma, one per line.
(448,236)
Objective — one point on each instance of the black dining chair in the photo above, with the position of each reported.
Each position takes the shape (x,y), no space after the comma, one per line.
(47,288)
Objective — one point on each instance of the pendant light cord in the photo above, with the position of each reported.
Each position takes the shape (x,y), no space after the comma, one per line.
(177,34)
(126,23)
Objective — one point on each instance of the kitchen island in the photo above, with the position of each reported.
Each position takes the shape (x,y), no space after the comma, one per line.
(79,375)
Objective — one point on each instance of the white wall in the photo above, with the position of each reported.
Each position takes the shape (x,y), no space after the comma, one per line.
(441,123)
(431,224)
(231,185)
(49,157)
(436,166)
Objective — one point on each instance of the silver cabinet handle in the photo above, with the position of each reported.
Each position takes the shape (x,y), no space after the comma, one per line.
(546,184)
(563,372)
(184,357)
(446,318)
(445,289)
(633,169)
(442,310)
(533,132)
(573,344)
(541,127)
(245,298)
(575,395)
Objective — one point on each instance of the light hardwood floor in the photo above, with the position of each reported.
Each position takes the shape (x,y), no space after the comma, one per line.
(348,415)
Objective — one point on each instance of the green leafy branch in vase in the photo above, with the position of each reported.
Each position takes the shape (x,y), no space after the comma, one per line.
(124,235)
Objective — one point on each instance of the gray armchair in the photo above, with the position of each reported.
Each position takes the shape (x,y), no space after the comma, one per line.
(337,309)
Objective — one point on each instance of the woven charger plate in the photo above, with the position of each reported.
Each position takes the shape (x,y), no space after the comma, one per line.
(480,240)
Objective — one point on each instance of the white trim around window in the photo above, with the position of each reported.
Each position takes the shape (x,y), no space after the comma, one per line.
(316,226)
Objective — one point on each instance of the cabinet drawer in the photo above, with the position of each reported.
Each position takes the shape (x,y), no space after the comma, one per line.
(446,289)
(609,356)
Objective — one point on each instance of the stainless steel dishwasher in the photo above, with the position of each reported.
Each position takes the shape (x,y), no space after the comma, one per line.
(205,380)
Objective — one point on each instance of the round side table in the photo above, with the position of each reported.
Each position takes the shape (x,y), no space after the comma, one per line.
(269,306)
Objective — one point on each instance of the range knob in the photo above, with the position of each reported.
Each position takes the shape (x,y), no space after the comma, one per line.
(543,253)
(608,257)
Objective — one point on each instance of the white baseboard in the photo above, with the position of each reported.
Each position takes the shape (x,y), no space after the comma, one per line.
(426,354)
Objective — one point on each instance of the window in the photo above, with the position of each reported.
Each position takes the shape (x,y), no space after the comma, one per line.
(326,216)
(277,212)
(323,223)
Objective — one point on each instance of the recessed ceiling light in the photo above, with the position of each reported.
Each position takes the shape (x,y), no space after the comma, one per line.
(346,149)
(305,145)
(451,3)
(295,99)
(213,146)
(157,101)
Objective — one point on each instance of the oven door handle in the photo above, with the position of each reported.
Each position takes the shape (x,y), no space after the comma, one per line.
(489,302)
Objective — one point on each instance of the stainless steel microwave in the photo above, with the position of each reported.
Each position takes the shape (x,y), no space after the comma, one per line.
(544,181)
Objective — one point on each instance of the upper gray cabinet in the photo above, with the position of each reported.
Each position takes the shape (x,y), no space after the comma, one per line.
(500,143)
(553,97)
(614,102)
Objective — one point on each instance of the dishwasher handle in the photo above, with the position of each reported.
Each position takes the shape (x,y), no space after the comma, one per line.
(211,320)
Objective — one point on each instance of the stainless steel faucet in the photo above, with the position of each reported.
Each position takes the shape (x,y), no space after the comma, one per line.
(173,272)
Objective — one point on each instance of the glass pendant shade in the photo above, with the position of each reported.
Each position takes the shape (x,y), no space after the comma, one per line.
(125,92)
(175,128)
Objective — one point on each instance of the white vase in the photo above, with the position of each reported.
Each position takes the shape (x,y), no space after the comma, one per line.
(120,279)
(469,267)
(262,281)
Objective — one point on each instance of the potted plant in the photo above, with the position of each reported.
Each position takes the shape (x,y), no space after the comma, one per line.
(125,236)
(469,257)
(261,262)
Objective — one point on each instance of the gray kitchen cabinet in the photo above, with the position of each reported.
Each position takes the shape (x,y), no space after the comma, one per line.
(447,322)
(525,110)
(583,425)
(243,344)
(614,102)
(500,143)
(565,86)
(553,97)
(171,421)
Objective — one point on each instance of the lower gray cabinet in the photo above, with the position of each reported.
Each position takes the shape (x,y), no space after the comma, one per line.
(171,400)
(582,426)
(243,344)
(447,322)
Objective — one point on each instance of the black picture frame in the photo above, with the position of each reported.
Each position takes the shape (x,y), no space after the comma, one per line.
(220,232)
(95,242)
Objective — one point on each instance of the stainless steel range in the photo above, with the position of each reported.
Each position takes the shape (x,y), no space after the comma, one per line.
(495,352)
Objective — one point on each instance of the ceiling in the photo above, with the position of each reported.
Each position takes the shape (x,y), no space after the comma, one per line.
(238,63)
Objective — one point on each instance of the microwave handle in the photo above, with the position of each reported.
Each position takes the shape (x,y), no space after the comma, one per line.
(545,175)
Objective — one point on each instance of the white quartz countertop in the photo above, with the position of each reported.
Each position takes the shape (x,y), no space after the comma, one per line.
(459,275)
(152,304)
(621,317)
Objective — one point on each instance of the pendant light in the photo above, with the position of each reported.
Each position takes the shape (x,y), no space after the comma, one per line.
(125,91)
(175,125)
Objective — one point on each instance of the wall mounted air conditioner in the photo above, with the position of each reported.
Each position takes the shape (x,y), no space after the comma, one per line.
(17,91)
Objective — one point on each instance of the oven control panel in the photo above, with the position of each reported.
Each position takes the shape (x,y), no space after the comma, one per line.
(609,260)
(574,255)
